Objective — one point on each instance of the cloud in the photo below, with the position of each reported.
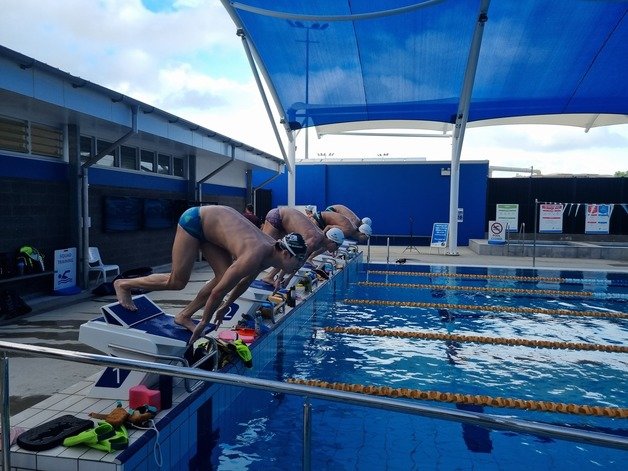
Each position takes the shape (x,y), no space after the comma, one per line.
(183,56)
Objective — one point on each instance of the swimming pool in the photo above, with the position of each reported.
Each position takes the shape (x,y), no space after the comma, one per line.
(490,351)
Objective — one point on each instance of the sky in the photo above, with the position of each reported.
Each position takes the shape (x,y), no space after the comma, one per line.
(183,57)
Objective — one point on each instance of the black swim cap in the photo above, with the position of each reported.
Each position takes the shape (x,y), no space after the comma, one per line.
(294,244)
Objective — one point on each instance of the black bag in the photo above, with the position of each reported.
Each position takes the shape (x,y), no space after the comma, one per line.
(106,289)
(11,305)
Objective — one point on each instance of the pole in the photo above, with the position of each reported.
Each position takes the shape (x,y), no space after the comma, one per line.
(536,205)
(6,416)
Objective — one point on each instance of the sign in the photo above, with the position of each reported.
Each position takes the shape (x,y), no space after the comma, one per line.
(65,270)
(551,217)
(440,233)
(508,214)
(460,214)
(597,218)
(496,232)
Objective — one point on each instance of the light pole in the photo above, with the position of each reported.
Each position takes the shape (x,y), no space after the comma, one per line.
(307,28)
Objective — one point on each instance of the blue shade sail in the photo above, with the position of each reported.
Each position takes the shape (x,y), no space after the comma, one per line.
(327,65)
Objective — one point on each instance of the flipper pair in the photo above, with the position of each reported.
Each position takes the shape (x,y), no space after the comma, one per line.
(103,437)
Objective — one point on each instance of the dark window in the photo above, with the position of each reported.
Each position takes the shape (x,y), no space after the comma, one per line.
(147,163)
(128,157)
(177,167)
(163,164)
(108,160)
(86,148)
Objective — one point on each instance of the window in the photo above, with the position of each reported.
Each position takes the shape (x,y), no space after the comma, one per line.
(128,157)
(18,136)
(163,164)
(86,148)
(147,162)
(108,160)
(46,140)
(177,167)
(13,135)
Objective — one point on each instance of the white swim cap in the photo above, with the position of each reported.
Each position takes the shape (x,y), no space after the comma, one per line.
(366,230)
(335,235)
(367,221)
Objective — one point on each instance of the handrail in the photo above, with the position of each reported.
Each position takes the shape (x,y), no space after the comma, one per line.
(469,417)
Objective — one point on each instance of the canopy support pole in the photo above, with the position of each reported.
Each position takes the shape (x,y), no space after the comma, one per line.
(260,87)
(292,173)
(462,117)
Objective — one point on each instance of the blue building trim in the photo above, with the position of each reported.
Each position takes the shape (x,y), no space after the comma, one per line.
(33,168)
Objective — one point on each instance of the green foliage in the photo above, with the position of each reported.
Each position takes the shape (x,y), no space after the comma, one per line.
(619,173)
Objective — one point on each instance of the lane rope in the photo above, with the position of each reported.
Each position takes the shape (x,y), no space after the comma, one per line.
(538,292)
(476,399)
(548,292)
(474,307)
(532,279)
(477,339)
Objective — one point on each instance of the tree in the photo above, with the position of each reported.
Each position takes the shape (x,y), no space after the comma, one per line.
(619,173)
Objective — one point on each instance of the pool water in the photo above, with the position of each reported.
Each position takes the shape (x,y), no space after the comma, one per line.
(268,433)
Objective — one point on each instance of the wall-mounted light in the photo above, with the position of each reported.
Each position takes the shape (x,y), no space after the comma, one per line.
(445,171)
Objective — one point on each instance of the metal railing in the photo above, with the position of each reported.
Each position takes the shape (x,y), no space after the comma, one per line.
(308,392)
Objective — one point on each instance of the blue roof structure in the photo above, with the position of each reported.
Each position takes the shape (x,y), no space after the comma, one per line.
(345,61)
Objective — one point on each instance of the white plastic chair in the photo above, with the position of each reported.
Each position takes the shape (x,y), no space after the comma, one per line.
(96,265)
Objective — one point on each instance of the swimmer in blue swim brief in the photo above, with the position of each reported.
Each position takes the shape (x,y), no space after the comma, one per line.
(235,249)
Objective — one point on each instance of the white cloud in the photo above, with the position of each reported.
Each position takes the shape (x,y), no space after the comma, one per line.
(187,60)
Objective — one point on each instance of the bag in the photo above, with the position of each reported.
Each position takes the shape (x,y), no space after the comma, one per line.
(106,288)
(32,260)
(11,305)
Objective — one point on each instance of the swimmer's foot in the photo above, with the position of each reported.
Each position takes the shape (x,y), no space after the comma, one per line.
(186,322)
(124,296)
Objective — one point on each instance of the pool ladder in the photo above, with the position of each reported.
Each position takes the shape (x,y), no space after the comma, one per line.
(521,240)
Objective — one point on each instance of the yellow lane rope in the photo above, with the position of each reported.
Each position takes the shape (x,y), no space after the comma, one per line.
(545,292)
(548,279)
(528,310)
(481,400)
(477,339)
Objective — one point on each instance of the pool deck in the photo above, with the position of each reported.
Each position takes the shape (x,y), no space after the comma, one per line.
(55,320)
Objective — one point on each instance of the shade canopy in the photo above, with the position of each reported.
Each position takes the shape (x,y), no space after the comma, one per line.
(340,62)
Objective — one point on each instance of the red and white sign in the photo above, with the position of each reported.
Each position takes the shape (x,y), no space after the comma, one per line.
(551,217)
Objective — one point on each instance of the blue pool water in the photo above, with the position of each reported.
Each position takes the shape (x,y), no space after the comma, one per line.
(266,433)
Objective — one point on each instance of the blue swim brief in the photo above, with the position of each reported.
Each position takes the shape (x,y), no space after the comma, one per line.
(190,221)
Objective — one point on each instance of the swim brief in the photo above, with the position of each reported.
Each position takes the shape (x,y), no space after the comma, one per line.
(274,218)
(190,221)
(331,208)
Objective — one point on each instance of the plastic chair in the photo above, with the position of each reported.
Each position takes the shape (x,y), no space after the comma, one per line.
(96,265)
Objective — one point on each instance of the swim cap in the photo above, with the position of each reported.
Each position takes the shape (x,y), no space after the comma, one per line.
(366,230)
(367,221)
(335,235)
(294,244)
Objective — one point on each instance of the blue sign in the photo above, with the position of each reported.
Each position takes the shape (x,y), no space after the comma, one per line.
(440,233)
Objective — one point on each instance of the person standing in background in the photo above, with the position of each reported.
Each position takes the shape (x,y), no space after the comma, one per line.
(250,215)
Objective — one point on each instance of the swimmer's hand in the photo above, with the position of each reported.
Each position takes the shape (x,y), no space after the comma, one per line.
(198,331)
